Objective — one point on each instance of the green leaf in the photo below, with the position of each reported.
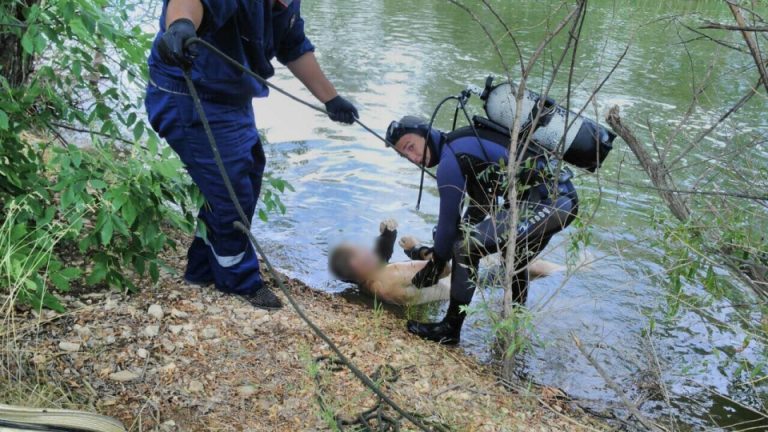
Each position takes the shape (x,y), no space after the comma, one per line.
(106,231)
(138,131)
(78,28)
(168,168)
(154,271)
(3,120)
(98,184)
(98,273)
(71,273)
(59,281)
(52,302)
(28,43)
(129,212)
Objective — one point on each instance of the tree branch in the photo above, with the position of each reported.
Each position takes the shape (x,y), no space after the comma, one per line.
(753,48)
(657,171)
(741,28)
(615,387)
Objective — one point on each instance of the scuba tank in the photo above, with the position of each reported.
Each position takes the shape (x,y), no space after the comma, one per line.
(584,144)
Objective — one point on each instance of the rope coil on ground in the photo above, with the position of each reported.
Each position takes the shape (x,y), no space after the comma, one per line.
(244,226)
(373,419)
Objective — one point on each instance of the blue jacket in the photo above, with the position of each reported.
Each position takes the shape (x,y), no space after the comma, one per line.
(248,31)
(452,182)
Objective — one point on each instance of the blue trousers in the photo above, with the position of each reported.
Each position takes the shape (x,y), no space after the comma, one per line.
(219,253)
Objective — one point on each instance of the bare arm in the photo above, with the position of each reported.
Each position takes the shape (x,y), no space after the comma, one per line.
(308,71)
(189,9)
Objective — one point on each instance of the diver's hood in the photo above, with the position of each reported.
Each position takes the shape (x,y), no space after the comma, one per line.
(435,142)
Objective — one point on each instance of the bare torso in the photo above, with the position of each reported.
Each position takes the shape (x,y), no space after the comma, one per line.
(392,283)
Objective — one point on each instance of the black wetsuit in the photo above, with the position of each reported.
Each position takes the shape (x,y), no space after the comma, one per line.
(472,175)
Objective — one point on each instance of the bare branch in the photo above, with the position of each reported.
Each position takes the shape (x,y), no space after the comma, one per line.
(657,171)
(719,26)
(615,387)
(748,38)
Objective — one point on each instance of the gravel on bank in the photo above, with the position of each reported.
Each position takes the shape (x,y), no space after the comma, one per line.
(180,358)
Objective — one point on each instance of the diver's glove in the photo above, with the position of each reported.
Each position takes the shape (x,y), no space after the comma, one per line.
(341,110)
(430,274)
(172,47)
(413,250)
(419,253)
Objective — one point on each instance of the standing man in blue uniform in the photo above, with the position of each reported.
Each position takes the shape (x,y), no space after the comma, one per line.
(252,32)
(471,175)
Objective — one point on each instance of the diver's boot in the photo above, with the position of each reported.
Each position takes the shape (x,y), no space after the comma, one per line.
(445,332)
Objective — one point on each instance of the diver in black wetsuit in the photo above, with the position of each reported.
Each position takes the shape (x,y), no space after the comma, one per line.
(472,174)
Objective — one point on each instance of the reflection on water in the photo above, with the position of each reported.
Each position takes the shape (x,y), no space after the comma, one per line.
(394,57)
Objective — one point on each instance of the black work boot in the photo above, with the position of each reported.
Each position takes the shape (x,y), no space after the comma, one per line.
(263,298)
(445,332)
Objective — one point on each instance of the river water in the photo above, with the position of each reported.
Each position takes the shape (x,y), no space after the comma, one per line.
(392,57)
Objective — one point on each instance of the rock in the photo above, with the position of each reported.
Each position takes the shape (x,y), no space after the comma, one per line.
(195,387)
(69,346)
(155,311)
(82,331)
(242,313)
(178,314)
(191,340)
(168,426)
(142,353)
(246,391)
(110,340)
(175,329)
(168,346)
(169,368)
(210,332)
(123,376)
(213,310)
(151,330)
(110,304)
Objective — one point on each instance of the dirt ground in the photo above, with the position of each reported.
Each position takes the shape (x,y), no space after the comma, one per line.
(181,358)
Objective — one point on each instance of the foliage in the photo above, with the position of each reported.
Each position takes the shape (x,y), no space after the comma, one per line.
(111,202)
(108,203)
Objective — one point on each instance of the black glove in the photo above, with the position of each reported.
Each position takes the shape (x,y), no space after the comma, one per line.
(430,274)
(341,110)
(171,46)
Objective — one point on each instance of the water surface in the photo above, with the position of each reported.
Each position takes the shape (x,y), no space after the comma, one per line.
(393,58)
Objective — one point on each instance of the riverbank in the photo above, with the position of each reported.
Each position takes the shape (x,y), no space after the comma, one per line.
(180,358)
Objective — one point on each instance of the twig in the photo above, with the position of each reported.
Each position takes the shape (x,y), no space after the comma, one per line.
(19,25)
(615,387)
(742,28)
(727,194)
(89,131)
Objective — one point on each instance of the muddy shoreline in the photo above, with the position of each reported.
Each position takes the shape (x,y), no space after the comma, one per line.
(174,357)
